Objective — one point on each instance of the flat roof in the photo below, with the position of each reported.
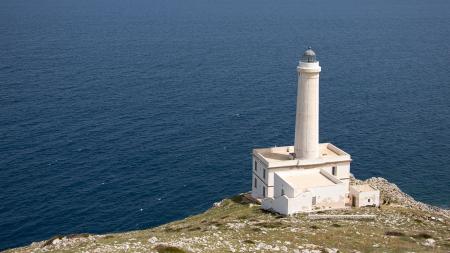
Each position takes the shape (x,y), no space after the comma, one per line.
(281,156)
(304,179)
(363,188)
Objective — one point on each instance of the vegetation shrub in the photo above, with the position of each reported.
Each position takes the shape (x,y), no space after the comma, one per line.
(168,249)
(394,233)
(270,224)
(423,235)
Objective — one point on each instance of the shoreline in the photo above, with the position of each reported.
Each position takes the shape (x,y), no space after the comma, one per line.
(395,203)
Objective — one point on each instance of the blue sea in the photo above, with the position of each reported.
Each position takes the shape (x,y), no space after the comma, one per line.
(122,115)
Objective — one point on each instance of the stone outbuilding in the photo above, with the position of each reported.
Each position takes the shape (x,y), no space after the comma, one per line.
(364,195)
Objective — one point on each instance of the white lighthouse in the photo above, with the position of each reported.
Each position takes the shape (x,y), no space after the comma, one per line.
(309,175)
(307,118)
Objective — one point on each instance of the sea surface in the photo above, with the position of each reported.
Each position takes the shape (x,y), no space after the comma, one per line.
(122,115)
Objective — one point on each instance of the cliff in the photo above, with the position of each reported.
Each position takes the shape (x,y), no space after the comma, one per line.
(401,224)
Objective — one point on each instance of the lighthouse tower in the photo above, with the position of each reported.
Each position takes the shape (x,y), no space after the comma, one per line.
(308,175)
(307,118)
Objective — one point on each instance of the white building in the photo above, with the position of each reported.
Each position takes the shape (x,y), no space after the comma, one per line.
(309,175)
(364,195)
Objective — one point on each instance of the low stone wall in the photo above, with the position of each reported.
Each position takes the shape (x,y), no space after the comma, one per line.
(342,217)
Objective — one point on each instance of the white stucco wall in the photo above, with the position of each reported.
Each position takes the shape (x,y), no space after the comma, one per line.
(367,198)
(261,174)
(328,197)
(342,169)
(280,184)
(298,200)
(261,167)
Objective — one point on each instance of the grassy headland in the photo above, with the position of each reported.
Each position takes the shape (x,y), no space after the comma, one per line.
(237,225)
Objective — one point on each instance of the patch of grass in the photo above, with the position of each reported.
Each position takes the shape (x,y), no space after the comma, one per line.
(336,225)
(270,224)
(243,217)
(237,199)
(168,249)
(314,227)
(249,241)
(394,233)
(216,223)
(173,229)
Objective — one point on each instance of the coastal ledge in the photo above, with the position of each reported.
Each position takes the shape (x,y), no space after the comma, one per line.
(401,224)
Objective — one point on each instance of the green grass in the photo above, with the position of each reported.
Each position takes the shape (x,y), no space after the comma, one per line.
(168,249)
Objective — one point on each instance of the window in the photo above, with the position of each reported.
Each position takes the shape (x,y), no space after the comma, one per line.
(334,171)
(256,166)
(255,183)
(368,200)
(314,200)
(264,173)
(264,192)
(282,192)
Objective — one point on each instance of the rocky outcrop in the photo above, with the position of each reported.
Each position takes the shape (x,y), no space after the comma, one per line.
(392,194)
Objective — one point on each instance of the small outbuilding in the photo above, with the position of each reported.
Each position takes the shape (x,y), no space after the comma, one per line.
(364,195)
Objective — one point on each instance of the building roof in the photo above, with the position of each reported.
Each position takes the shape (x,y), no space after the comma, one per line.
(363,188)
(282,156)
(304,179)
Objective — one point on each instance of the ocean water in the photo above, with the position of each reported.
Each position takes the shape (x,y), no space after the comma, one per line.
(121,115)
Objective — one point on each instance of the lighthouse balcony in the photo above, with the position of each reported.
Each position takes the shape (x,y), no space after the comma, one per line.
(283,156)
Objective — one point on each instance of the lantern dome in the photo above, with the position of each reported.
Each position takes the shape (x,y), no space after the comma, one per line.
(309,56)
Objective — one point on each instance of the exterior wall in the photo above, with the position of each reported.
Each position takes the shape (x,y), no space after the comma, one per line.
(343,174)
(280,184)
(281,205)
(287,206)
(342,169)
(329,197)
(261,173)
(297,200)
(257,191)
